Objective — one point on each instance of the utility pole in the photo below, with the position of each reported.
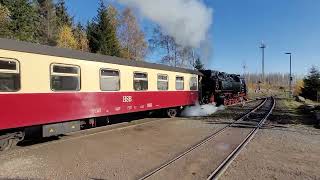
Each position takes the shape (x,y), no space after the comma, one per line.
(263,46)
(244,67)
(290,75)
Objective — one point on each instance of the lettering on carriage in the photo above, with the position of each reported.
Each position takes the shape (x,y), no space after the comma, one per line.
(149,105)
(127,99)
(96,111)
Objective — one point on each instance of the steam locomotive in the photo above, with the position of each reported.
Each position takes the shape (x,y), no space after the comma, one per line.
(222,88)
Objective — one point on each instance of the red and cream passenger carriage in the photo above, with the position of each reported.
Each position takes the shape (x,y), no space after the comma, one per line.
(58,90)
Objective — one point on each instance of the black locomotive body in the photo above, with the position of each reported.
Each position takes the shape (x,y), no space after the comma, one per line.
(222,88)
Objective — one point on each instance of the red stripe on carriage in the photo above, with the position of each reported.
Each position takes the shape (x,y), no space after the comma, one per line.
(21,110)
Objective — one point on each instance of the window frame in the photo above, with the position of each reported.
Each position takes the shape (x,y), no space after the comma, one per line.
(100,78)
(163,81)
(17,71)
(180,81)
(196,81)
(135,72)
(65,74)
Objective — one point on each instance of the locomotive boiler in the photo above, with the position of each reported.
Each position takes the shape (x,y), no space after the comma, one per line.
(222,88)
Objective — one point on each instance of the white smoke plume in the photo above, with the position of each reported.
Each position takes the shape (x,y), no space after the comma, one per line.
(201,110)
(188,21)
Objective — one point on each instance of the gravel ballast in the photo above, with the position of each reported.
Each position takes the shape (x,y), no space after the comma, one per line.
(288,147)
(125,153)
(279,153)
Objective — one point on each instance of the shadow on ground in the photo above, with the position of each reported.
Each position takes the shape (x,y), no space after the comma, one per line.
(101,122)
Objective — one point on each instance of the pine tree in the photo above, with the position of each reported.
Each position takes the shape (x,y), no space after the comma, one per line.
(23,20)
(198,64)
(311,84)
(48,28)
(81,38)
(131,37)
(66,38)
(102,32)
(63,17)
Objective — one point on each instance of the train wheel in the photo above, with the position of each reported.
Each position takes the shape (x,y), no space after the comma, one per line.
(171,113)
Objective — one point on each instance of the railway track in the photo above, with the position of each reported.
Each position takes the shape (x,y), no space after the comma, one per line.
(253,119)
(267,108)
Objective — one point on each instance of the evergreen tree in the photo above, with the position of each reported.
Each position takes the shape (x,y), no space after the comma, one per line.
(23,19)
(311,84)
(48,28)
(198,64)
(102,32)
(63,17)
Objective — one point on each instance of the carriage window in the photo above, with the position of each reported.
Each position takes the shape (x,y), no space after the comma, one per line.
(194,83)
(179,83)
(66,69)
(163,82)
(140,81)
(65,78)
(109,80)
(9,75)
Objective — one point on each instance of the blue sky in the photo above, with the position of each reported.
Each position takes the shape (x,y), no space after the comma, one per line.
(240,25)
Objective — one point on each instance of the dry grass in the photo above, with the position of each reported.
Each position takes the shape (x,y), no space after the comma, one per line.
(291,104)
(265,93)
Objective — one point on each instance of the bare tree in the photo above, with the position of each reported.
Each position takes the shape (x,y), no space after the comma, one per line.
(132,39)
(81,37)
(172,53)
(4,21)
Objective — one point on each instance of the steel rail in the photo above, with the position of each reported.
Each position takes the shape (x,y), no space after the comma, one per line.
(227,161)
(205,140)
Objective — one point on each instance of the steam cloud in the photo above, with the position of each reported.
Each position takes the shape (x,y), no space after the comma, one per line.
(201,110)
(188,21)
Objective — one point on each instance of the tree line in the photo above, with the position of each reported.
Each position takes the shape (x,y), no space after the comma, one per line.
(273,79)
(308,86)
(48,22)
(110,32)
